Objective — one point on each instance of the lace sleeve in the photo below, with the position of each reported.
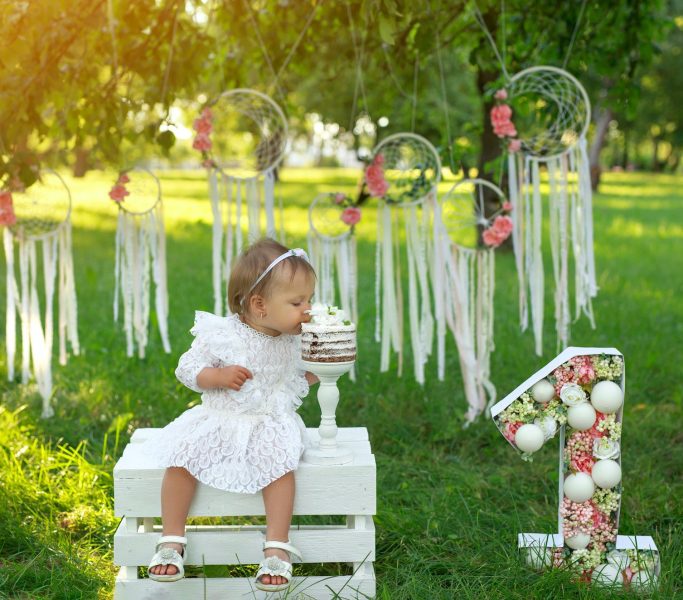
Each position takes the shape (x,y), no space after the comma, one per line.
(192,362)
(298,382)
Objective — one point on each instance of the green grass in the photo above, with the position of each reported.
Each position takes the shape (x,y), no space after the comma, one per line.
(450,500)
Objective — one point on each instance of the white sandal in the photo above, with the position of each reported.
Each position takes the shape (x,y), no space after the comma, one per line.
(168,556)
(276,567)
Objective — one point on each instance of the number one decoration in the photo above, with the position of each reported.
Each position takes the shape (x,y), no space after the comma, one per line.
(580,394)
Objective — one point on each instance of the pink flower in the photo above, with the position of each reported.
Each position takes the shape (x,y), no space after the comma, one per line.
(202,126)
(118,193)
(628,574)
(593,431)
(7,216)
(351,215)
(123,179)
(515,145)
(207,115)
(501,94)
(582,462)
(339,198)
(511,429)
(507,206)
(492,238)
(583,369)
(501,116)
(202,142)
(374,177)
(503,225)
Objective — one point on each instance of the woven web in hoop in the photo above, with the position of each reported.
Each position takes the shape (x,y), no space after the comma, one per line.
(145,192)
(411,167)
(324,216)
(463,210)
(551,110)
(43,207)
(249,133)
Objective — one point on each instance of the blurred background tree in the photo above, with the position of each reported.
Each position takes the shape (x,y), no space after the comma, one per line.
(95,83)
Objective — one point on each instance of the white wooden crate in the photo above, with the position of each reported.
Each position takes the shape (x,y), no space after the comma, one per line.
(345,490)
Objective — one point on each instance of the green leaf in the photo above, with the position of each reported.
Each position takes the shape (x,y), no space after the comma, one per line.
(166,139)
(387,30)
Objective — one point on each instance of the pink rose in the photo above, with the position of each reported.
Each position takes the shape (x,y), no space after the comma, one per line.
(351,215)
(202,126)
(202,143)
(501,116)
(515,145)
(503,225)
(507,206)
(511,429)
(7,216)
(582,462)
(118,193)
(339,198)
(501,94)
(374,177)
(492,238)
(207,115)
(123,179)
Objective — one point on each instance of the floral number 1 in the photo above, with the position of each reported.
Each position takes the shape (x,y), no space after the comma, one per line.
(580,394)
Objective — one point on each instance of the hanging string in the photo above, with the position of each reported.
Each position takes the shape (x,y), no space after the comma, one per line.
(169,62)
(264,50)
(502,23)
(360,55)
(444,100)
(298,41)
(479,18)
(576,29)
(415,71)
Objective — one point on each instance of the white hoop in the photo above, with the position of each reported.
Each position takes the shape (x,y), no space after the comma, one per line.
(269,119)
(124,205)
(568,107)
(318,216)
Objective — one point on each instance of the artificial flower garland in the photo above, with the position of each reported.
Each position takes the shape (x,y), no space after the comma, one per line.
(7,216)
(118,191)
(501,120)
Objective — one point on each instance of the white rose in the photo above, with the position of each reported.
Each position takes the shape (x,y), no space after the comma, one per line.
(618,558)
(548,425)
(572,394)
(605,448)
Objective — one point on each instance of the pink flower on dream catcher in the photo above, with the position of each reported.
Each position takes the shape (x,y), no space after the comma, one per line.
(118,191)
(7,216)
(500,230)
(351,215)
(202,141)
(374,177)
(501,121)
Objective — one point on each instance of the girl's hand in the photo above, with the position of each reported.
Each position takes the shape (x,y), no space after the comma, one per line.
(232,377)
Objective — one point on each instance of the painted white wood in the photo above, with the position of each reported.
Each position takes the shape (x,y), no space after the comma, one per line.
(228,545)
(321,489)
(130,526)
(222,588)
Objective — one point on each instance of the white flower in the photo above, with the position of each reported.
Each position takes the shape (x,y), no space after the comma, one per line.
(572,394)
(548,425)
(605,448)
(618,558)
(324,314)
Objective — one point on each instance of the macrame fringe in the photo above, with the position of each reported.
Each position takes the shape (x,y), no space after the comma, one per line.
(228,195)
(571,218)
(36,335)
(141,250)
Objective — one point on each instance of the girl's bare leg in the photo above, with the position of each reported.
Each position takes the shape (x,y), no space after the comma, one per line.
(177,491)
(278,499)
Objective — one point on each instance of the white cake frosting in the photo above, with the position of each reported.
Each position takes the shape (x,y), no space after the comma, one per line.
(329,336)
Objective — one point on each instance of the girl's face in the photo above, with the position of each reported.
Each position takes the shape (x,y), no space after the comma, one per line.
(285,307)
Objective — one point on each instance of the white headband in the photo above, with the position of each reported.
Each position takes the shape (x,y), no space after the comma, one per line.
(301,253)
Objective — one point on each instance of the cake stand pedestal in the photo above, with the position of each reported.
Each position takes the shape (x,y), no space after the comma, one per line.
(328,452)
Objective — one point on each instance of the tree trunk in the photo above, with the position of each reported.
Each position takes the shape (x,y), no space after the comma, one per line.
(656,165)
(624,155)
(82,162)
(601,125)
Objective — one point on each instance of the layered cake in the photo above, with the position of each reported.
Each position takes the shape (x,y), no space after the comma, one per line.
(329,336)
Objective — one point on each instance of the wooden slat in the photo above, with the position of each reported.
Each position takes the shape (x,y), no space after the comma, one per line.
(227,545)
(220,588)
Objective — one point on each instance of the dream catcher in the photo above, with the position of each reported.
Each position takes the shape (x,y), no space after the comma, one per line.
(551,116)
(140,251)
(463,283)
(42,225)
(242,136)
(332,250)
(404,173)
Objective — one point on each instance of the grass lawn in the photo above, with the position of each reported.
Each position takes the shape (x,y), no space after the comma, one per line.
(450,500)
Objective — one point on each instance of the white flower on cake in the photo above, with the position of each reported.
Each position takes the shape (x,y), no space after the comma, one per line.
(324,314)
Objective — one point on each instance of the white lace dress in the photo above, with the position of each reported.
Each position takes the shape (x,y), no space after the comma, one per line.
(238,441)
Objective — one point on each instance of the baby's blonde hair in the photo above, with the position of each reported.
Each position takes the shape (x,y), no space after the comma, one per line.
(249,266)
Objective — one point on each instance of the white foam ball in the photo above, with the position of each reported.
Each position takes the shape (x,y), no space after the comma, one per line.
(529,438)
(644,580)
(543,391)
(607,575)
(579,487)
(538,556)
(607,397)
(578,541)
(606,473)
(581,416)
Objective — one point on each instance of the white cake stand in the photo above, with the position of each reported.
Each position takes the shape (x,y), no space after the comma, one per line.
(328,452)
